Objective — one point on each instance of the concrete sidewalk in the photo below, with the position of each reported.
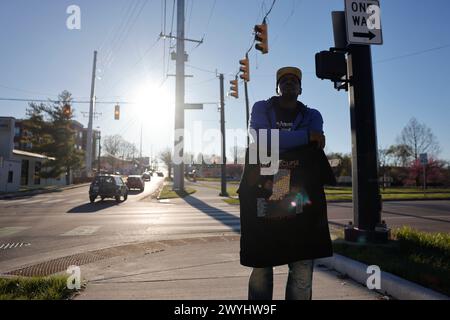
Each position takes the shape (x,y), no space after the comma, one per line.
(204,268)
(37,191)
(198,268)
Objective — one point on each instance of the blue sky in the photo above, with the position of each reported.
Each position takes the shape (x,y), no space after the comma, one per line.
(40,57)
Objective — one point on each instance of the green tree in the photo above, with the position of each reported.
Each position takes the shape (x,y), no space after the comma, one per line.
(51,131)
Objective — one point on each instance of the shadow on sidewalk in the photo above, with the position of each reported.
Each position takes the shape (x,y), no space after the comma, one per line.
(207,209)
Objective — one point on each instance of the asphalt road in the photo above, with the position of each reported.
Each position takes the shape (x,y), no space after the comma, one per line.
(429,216)
(58,224)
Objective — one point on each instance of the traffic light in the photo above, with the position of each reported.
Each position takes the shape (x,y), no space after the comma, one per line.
(245,69)
(117,113)
(261,35)
(331,65)
(67,110)
(234,88)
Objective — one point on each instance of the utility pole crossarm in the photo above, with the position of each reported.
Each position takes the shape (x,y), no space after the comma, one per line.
(170,36)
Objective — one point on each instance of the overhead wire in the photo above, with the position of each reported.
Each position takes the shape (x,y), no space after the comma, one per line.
(118,31)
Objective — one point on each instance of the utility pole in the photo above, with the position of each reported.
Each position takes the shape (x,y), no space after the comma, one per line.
(247,107)
(91,120)
(235,151)
(223,192)
(140,148)
(99,151)
(178,170)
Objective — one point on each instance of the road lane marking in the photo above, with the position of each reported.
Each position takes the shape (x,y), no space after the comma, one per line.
(8,231)
(81,231)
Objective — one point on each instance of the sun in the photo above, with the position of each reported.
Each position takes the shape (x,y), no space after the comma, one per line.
(152,103)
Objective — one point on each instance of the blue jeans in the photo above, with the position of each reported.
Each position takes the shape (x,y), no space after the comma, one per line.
(298,287)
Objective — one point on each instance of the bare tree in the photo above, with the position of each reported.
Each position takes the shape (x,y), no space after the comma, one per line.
(419,139)
(166,157)
(127,150)
(112,145)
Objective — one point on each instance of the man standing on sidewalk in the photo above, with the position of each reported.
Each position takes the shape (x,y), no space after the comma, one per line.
(283,216)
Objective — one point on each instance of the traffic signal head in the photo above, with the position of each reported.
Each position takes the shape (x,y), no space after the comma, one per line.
(234,89)
(261,35)
(117,112)
(67,110)
(245,69)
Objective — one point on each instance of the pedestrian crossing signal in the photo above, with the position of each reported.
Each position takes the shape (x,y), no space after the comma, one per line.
(261,35)
(117,112)
(234,88)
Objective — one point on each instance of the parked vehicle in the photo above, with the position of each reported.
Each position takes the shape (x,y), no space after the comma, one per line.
(160,174)
(108,186)
(135,182)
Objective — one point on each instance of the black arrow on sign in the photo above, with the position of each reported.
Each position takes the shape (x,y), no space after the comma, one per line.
(369,35)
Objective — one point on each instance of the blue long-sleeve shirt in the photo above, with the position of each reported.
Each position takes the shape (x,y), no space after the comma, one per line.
(263,117)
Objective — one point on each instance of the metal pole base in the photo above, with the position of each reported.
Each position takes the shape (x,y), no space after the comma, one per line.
(224,194)
(366,236)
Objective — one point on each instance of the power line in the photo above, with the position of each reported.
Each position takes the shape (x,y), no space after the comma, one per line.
(270,10)
(112,87)
(200,69)
(210,17)
(72,102)
(294,6)
(413,54)
(27,91)
(132,19)
(117,33)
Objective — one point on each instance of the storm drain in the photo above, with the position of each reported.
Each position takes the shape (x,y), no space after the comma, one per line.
(5,246)
(61,264)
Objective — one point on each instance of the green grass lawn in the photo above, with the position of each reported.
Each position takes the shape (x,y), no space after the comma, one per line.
(391,194)
(420,257)
(39,288)
(168,193)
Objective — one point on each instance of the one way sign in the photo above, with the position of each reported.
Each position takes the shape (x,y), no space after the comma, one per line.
(363,22)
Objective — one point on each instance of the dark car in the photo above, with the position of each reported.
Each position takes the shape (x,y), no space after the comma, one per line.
(108,186)
(146,176)
(160,174)
(135,182)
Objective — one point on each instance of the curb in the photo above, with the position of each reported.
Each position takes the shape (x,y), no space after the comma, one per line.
(36,192)
(391,285)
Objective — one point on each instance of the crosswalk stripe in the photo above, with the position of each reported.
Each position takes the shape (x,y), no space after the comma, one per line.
(195,228)
(8,231)
(53,201)
(82,231)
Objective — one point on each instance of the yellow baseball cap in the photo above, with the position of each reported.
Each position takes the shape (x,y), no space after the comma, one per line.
(289,70)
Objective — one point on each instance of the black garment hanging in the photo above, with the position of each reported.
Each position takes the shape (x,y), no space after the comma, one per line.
(284,215)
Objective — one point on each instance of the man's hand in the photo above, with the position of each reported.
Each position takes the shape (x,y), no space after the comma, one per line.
(317,137)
